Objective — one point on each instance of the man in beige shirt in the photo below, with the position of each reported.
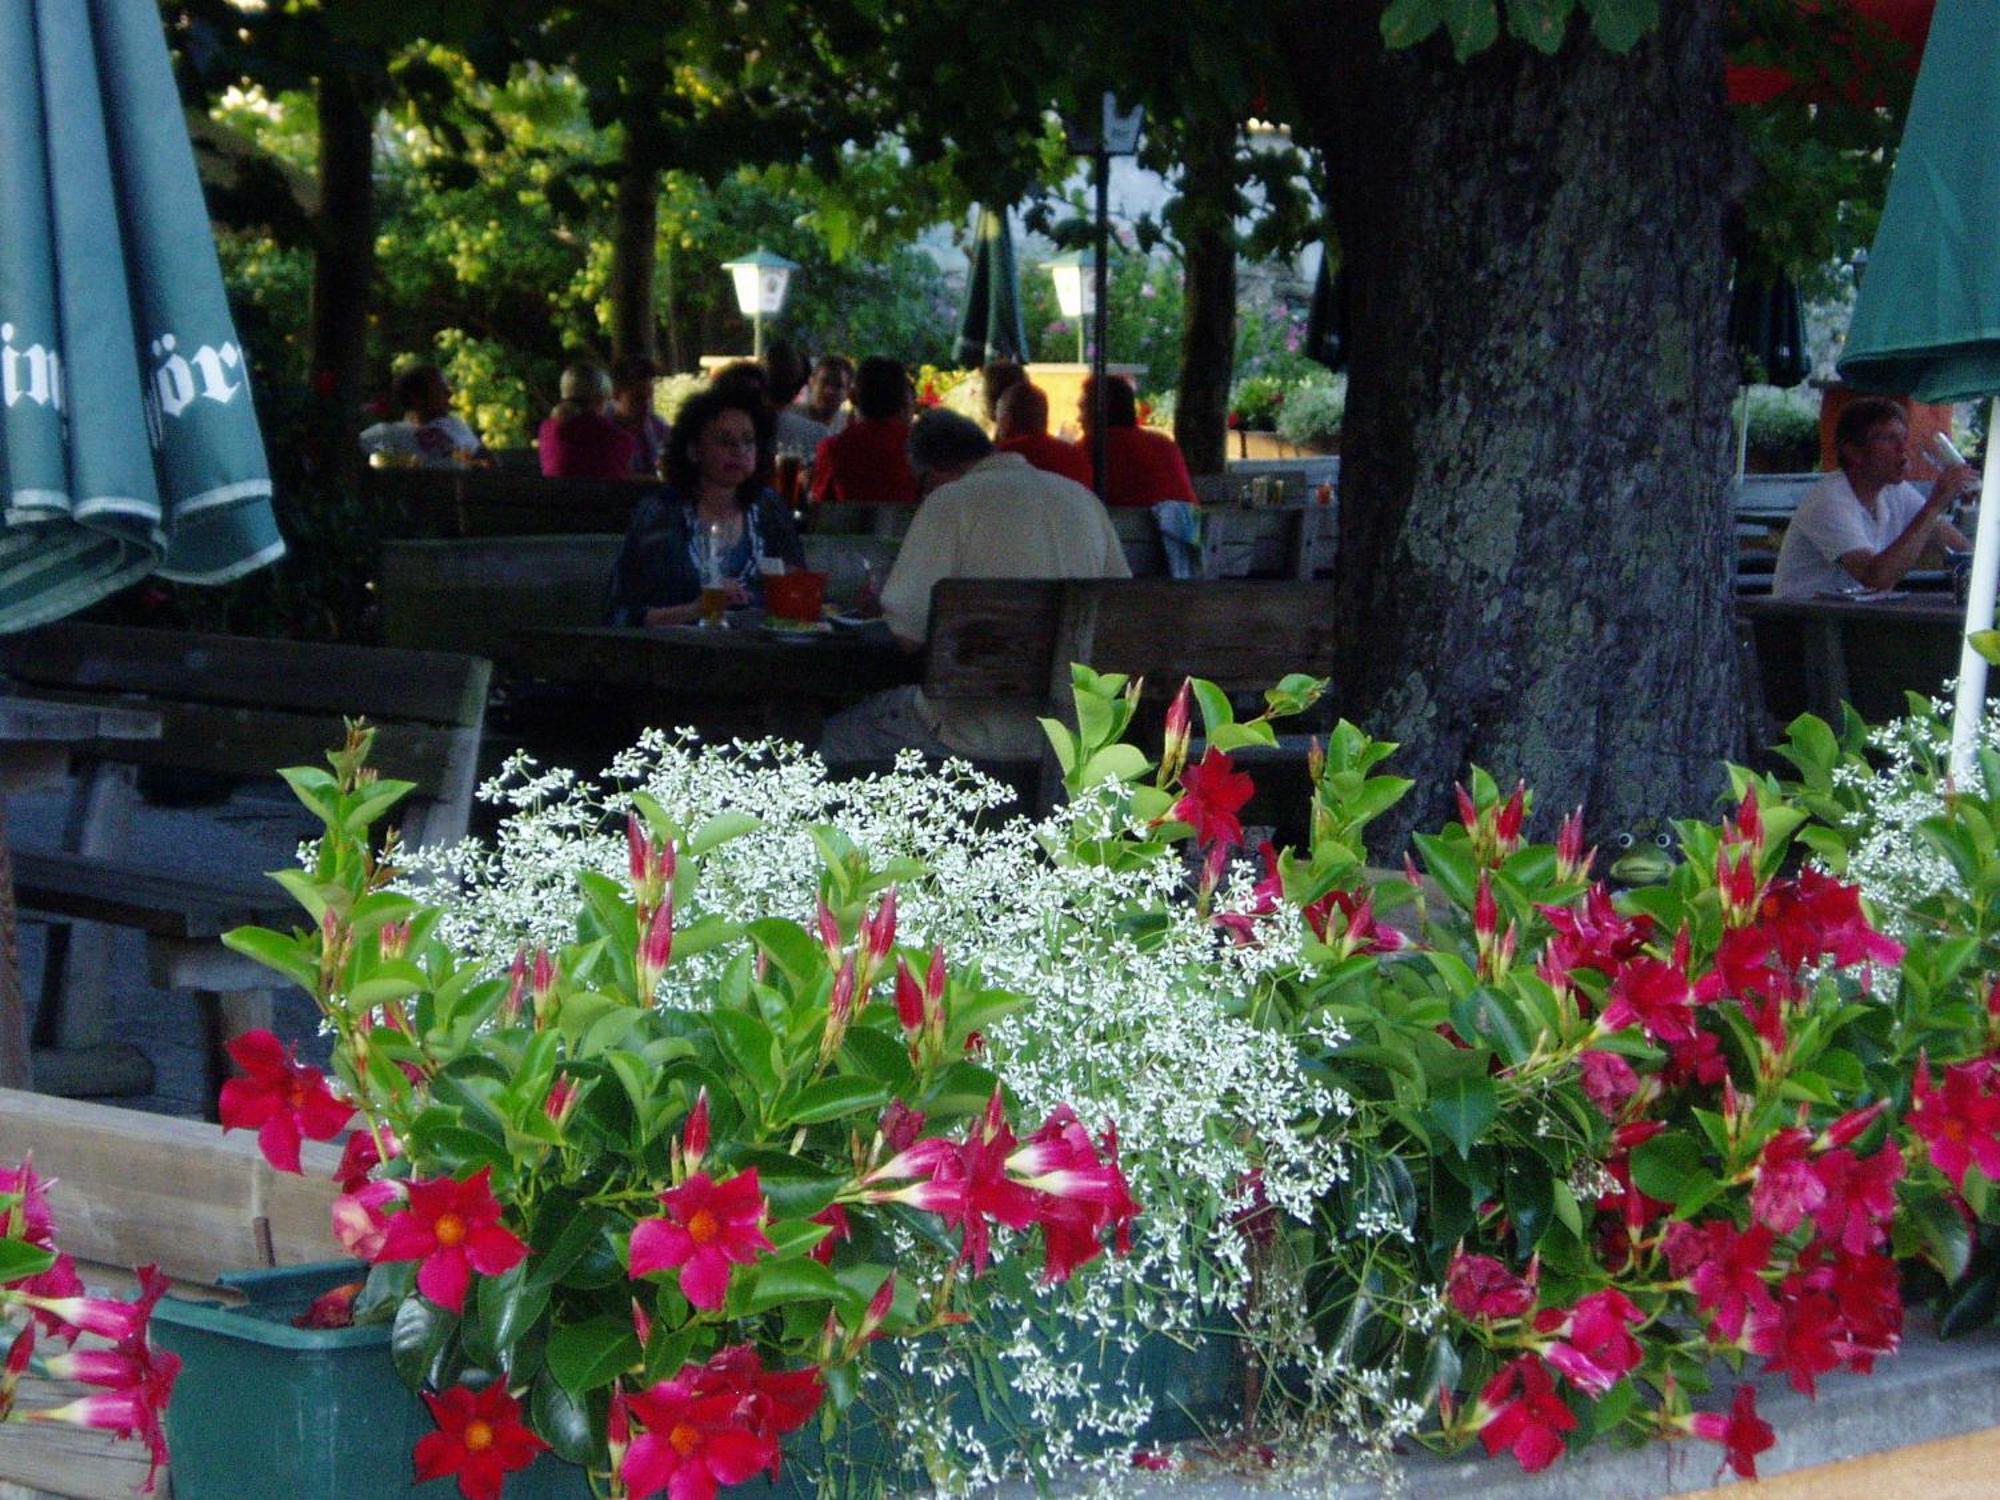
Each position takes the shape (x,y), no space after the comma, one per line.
(986,515)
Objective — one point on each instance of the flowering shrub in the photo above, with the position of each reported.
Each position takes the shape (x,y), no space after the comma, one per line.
(1603,1143)
(45,1303)
(654,1238)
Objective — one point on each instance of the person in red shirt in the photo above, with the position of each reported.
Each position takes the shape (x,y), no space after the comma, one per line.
(1140,467)
(1021,425)
(580,440)
(867,461)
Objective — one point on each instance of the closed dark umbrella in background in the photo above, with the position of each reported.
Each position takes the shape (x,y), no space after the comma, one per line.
(1326,319)
(1927,319)
(991,327)
(128,444)
(1767,329)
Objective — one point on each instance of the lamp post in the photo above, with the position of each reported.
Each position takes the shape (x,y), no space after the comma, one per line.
(762,279)
(1103,132)
(1075,276)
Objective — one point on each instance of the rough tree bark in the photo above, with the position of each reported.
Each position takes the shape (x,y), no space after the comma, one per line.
(1533,566)
(635,233)
(1208,320)
(344,258)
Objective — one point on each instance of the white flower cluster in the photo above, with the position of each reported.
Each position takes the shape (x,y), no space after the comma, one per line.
(1147,1026)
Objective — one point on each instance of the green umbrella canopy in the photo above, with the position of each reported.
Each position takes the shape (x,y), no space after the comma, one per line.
(991,327)
(1927,321)
(128,444)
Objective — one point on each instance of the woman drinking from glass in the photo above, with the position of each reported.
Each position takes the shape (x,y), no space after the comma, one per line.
(715,528)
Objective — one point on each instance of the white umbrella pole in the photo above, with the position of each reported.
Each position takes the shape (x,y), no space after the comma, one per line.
(1971,704)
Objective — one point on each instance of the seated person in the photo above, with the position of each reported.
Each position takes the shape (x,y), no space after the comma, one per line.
(580,439)
(1863,523)
(713,497)
(785,373)
(430,435)
(1140,467)
(988,515)
(1021,425)
(826,392)
(995,381)
(632,382)
(868,461)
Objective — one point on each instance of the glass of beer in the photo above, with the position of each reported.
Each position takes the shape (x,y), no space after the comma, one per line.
(709,552)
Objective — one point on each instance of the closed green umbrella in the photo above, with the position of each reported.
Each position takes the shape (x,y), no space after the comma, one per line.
(991,327)
(1326,319)
(128,444)
(1767,329)
(1927,321)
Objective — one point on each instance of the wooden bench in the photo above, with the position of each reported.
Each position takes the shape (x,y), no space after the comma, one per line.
(231,708)
(1012,641)
(492,502)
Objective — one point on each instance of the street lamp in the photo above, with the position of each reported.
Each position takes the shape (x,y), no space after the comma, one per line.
(761,282)
(1104,131)
(1075,276)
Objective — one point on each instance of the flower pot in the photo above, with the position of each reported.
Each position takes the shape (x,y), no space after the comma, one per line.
(264,1409)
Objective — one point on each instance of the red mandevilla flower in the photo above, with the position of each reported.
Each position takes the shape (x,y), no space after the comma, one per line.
(1596,1347)
(279,1098)
(715,1424)
(1786,1188)
(1595,936)
(1213,792)
(480,1439)
(1961,1122)
(708,1227)
(1523,1413)
(1480,1288)
(1817,917)
(1608,1081)
(1723,1266)
(361,1218)
(454,1229)
(1741,1432)
(1860,1197)
(1655,995)
(29,1219)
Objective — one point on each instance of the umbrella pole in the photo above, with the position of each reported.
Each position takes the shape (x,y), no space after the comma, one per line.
(1971,702)
(1742,430)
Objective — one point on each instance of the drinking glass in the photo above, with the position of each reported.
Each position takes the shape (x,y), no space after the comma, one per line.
(710,549)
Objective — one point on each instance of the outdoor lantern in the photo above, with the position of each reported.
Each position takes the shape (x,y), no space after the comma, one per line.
(1075,276)
(762,280)
(1100,133)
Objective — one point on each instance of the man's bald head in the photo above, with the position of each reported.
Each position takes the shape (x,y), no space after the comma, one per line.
(1023,411)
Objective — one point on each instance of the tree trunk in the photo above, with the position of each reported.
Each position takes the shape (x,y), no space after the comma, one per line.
(344,262)
(634,235)
(1208,321)
(1535,519)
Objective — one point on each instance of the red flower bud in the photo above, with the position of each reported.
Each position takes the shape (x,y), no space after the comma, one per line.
(694,1134)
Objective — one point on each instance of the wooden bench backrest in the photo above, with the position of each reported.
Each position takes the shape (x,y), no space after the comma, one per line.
(246,707)
(492,502)
(469,594)
(1014,639)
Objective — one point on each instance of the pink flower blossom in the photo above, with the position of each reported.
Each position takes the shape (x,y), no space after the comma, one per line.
(1960,1122)
(1654,995)
(1741,1432)
(1596,1348)
(1860,1197)
(708,1227)
(452,1228)
(1480,1289)
(279,1098)
(1520,1411)
(1785,1188)
(1608,1081)
(1213,793)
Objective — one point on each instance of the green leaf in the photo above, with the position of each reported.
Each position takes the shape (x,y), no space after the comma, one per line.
(585,1356)
(720,829)
(509,1306)
(1619,24)
(1464,1109)
(1474,25)
(1407,22)
(797,953)
(1568,1214)
(562,1420)
(1114,763)
(1450,866)
(779,1281)
(831,1098)
(1540,23)
(582,1232)
(372,803)
(1669,1167)
(309,893)
(1215,709)
(419,1340)
(1945,1237)
(19,1259)
(295,958)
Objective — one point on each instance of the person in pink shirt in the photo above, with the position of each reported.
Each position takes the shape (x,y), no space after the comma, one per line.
(868,461)
(580,440)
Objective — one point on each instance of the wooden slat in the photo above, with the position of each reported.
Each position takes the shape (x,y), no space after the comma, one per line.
(420,686)
(136,1189)
(468,594)
(160,902)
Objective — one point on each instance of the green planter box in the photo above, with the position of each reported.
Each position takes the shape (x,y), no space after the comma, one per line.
(263,1409)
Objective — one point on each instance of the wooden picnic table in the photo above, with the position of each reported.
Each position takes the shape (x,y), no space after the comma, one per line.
(36,736)
(1816,654)
(775,682)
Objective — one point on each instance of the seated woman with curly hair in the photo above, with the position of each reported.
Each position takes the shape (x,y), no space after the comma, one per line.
(719,444)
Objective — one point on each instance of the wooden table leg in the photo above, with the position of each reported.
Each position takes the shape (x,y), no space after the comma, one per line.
(14,1070)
